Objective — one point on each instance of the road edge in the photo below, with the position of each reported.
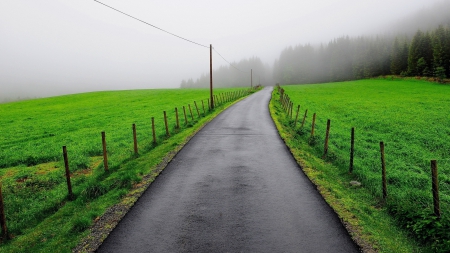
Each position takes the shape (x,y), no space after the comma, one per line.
(106,223)
(353,231)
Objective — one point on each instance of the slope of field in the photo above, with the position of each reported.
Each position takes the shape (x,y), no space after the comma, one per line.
(410,116)
(39,213)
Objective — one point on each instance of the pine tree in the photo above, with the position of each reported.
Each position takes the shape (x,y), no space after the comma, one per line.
(396,58)
(414,53)
(420,49)
(441,51)
(404,59)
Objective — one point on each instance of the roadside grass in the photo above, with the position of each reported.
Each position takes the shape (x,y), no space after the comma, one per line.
(40,217)
(411,118)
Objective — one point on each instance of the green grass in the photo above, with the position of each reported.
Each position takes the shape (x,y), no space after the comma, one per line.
(40,217)
(411,117)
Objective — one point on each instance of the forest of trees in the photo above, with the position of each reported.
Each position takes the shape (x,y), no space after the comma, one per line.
(234,75)
(418,45)
(425,54)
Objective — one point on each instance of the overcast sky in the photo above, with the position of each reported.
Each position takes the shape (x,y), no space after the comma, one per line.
(50,47)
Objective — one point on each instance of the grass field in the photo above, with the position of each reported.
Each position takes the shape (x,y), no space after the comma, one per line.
(39,215)
(411,117)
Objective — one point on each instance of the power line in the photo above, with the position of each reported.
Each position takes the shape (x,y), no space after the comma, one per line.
(229,62)
(170,33)
(151,25)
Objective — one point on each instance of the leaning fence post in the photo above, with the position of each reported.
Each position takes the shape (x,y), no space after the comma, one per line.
(383,170)
(327,136)
(435,188)
(105,153)
(291,109)
(190,110)
(296,116)
(165,122)
(352,149)
(304,118)
(203,106)
(185,116)
(176,116)
(3,216)
(153,130)
(313,124)
(66,165)
(196,107)
(135,140)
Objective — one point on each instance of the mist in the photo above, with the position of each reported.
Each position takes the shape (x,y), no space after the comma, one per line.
(60,47)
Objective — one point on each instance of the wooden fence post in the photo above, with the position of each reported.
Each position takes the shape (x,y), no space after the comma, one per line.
(327,136)
(203,106)
(190,110)
(196,107)
(288,105)
(185,116)
(383,170)
(209,106)
(165,122)
(5,235)
(435,188)
(291,109)
(66,165)
(176,116)
(352,149)
(153,130)
(313,124)
(304,118)
(296,116)
(136,152)
(105,153)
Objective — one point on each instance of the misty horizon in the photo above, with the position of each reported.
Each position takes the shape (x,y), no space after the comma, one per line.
(64,48)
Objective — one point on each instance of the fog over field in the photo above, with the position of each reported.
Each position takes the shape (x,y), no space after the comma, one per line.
(53,47)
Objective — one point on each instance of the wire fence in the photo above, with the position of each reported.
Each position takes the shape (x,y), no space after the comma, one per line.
(417,190)
(19,194)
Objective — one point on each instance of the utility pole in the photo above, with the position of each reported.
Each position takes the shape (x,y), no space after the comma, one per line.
(211,97)
(251,78)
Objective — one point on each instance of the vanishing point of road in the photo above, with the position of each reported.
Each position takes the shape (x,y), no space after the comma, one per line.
(234,187)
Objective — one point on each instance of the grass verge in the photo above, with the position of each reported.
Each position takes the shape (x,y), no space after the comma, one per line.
(365,217)
(52,223)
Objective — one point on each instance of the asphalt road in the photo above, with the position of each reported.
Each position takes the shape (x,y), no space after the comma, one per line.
(233,188)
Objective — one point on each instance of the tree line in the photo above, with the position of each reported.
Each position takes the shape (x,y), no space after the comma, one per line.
(344,58)
(418,45)
(236,74)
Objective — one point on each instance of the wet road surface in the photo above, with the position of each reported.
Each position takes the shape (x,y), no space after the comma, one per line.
(233,188)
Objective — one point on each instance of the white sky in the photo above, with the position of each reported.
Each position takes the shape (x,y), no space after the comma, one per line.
(50,47)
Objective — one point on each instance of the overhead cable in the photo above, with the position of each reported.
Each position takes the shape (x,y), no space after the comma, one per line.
(151,25)
(230,63)
(140,20)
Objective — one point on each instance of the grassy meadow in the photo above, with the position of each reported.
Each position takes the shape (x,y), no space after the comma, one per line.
(411,117)
(40,217)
